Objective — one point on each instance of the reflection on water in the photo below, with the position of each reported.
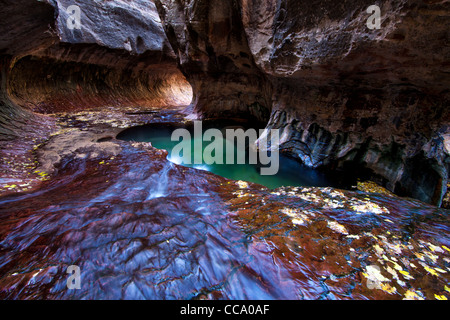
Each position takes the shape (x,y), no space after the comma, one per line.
(290,173)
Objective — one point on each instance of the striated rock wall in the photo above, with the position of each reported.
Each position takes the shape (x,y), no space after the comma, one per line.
(374,101)
(24,26)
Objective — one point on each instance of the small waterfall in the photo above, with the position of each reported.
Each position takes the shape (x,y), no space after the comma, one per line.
(162,182)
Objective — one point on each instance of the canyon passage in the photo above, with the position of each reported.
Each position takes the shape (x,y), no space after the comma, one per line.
(91,92)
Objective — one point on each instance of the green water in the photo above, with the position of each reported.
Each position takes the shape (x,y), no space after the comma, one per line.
(290,173)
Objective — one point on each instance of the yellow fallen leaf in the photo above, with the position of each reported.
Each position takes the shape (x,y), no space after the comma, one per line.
(435,248)
(378,249)
(438,297)
(433,257)
(392,272)
(397,266)
(242,184)
(419,256)
(386,287)
(401,283)
(411,295)
(373,273)
(298,221)
(406,274)
(434,273)
(337,227)
(440,270)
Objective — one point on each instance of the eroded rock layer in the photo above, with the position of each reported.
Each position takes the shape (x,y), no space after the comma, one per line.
(119,57)
(60,79)
(212,50)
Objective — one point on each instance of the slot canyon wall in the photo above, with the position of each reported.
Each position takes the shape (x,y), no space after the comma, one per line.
(373,102)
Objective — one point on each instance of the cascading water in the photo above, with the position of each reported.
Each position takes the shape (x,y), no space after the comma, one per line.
(162,182)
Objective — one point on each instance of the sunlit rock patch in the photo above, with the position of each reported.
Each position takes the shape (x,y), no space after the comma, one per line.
(372,187)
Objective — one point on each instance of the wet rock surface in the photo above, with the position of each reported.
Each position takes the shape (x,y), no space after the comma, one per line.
(343,95)
(140,227)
